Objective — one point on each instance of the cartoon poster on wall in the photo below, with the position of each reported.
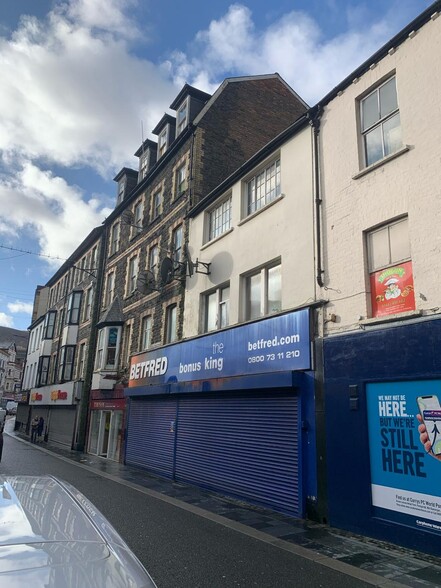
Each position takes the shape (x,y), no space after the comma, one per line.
(392,290)
(404,420)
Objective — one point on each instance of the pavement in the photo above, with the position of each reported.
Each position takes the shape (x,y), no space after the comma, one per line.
(378,563)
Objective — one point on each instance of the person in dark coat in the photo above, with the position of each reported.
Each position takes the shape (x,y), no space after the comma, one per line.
(34,427)
(40,428)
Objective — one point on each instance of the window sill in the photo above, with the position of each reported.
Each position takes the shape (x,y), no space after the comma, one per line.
(216,239)
(401,316)
(254,214)
(381,162)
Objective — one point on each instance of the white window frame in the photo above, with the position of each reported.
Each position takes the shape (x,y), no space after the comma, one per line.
(88,304)
(379,124)
(103,347)
(81,360)
(156,205)
(146,332)
(132,274)
(221,306)
(177,244)
(110,288)
(143,165)
(163,141)
(121,190)
(114,238)
(153,259)
(182,125)
(138,217)
(181,182)
(263,273)
(263,187)
(219,218)
(391,260)
(171,323)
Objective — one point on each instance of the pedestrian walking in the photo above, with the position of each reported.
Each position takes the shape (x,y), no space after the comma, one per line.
(34,429)
(40,428)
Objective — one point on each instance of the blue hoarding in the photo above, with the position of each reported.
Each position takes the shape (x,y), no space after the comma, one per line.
(405,473)
(280,343)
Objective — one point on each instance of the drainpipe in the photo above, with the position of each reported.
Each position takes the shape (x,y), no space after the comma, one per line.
(315,123)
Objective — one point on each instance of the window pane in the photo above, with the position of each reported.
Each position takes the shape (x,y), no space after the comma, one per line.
(399,241)
(171,324)
(274,289)
(392,134)
(369,111)
(374,146)
(378,249)
(224,307)
(211,312)
(388,98)
(253,296)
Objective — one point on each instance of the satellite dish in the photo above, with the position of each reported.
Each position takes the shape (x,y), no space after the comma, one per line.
(146,283)
(166,270)
(188,261)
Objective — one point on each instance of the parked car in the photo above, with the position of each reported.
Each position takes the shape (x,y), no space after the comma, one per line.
(11,407)
(51,536)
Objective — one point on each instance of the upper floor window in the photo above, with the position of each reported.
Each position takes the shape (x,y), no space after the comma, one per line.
(156,204)
(264,187)
(81,360)
(110,288)
(143,165)
(380,122)
(60,322)
(219,219)
(216,309)
(146,332)
(181,180)
(66,362)
(138,213)
(73,308)
(263,292)
(43,370)
(390,269)
(49,324)
(88,304)
(153,259)
(114,238)
(132,274)
(107,348)
(121,190)
(93,258)
(182,117)
(170,323)
(162,142)
(177,244)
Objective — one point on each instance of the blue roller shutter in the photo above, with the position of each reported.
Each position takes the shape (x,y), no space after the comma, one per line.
(151,434)
(245,446)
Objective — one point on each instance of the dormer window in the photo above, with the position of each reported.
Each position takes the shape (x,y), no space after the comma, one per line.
(182,117)
(121,190)
(162,142)
(143,165)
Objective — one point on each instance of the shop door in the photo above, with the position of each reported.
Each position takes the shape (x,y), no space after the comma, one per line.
(245,446)
(103,438)
(151,434)
(61,425)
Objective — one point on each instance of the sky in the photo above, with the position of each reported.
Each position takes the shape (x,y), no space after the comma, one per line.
(84,81)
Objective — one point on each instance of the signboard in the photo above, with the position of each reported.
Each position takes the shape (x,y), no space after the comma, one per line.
(392,290)
(405,478)
(275,344)
(57,394)
(118,404)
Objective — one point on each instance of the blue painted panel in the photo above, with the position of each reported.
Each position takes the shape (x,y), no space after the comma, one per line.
(407,352)
(246,446)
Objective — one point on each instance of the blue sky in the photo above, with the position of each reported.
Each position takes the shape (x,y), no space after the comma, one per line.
(80,78)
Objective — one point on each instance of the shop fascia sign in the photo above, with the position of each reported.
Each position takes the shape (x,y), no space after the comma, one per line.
(280,343)
(58,394)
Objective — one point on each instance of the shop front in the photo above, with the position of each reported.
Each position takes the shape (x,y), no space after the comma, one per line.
(57,405)
(106,428)
(382,480)
(231,411)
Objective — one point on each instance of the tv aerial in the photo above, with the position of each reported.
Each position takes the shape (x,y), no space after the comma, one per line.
(166,270)
(128,219)
(146,283)
(193,266)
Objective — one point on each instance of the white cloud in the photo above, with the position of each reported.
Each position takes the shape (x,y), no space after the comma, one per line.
(293,46)
(46,206)
(6,320)
(20,307)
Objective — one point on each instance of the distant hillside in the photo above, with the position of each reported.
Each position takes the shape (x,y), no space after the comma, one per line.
(8,336)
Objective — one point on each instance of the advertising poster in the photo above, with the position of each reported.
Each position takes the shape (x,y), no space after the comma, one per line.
(405,471)
(392,290)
